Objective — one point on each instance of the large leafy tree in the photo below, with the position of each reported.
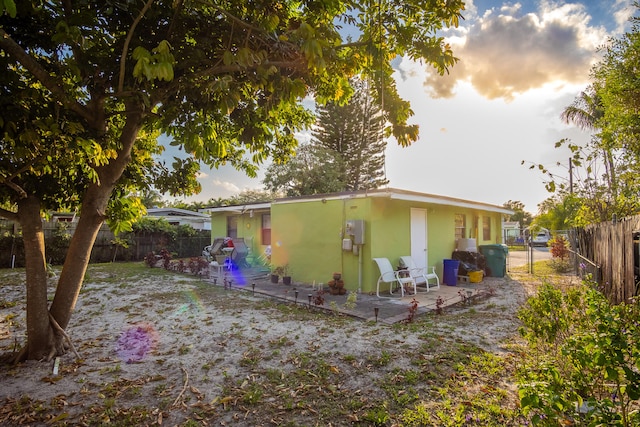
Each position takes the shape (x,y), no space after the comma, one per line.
(560,212)
(606,171)
(523,217)
(313,170)
(88,85)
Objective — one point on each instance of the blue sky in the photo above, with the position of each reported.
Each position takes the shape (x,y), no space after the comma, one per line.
(521,63)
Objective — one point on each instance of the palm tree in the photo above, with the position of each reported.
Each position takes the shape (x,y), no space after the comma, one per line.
(587,112)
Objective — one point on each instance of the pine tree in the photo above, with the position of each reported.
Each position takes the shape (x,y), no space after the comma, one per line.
(346,152)
(354,132)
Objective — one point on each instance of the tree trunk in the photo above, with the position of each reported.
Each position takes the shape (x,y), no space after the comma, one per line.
(79,253)
(92,215)
(45,327)
(39,332)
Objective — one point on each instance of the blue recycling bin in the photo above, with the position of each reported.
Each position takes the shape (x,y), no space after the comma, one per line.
(450,272)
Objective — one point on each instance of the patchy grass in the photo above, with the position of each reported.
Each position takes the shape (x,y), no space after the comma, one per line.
(241,360)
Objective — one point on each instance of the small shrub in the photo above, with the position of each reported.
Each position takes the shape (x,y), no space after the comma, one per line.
(559,248)
(166,258)
(150,259)
(560,265)
(318,298)
(413,309)
(439,305)
(560,255)
(582,359)
(198,265)
(352,298)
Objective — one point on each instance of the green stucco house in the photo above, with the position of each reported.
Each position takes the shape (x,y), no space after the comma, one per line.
(318,235)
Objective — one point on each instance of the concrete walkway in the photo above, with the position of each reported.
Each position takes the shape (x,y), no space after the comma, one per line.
(387,309)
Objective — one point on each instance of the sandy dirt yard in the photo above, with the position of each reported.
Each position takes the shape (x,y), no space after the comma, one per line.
(171,349)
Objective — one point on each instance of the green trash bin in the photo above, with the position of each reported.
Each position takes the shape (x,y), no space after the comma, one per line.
(496,257)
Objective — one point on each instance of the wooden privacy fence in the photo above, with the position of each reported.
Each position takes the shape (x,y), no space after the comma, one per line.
(613,246)
(105,249)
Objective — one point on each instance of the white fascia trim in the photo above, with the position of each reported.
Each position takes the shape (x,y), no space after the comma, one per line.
(240,209)
(405,196)
(450,202)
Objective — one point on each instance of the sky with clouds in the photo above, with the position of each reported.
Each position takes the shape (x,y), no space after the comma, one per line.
(520,64)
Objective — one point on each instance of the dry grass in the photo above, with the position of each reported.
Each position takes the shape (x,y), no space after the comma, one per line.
(164,348)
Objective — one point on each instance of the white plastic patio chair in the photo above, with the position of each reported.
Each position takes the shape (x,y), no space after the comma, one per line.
(265,258)
(420,275)
(390,276)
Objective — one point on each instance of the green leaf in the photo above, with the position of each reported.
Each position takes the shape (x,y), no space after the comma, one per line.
(140,52)
(10,7)
(227,58)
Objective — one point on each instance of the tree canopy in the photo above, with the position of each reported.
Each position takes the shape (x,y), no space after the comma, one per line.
(604,173)
(313,170)
(346,151)
(523,217)
(88,86)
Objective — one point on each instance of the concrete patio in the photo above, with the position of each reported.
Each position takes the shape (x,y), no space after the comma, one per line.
(387,309)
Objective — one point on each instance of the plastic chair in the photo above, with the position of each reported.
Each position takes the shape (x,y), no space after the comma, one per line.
(240,252)
(265,258)
(391,276)
(420,275)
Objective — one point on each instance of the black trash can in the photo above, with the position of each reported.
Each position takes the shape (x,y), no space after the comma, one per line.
(496,257)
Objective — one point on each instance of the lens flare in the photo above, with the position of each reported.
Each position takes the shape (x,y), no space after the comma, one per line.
(136,342)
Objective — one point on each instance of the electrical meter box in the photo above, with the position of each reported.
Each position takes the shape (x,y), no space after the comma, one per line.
(355,229)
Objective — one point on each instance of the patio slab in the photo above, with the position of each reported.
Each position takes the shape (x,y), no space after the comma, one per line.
(390,308)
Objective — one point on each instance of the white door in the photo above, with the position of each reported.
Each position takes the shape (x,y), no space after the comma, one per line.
(419,247)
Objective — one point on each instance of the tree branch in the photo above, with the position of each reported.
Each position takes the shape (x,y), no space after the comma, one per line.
(11,216)
(353,44)
(15,187)
(125,48)
(184,387)
(160,95)
(295,65)
(15,50)
(233,18)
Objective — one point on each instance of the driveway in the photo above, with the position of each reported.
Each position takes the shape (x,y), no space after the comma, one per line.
(519,258)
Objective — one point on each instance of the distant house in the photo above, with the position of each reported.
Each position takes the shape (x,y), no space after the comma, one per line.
(513,234)
(197,220)
(342,232)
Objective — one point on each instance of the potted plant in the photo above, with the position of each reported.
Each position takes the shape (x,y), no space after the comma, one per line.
(276,272)
(286,274)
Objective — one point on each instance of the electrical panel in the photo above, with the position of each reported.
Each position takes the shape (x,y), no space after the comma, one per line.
(355,229)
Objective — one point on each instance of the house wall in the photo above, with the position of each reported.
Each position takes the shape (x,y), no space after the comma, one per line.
(249,227)
(308,236)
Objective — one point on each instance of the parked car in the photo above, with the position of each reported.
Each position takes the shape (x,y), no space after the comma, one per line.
(541,238)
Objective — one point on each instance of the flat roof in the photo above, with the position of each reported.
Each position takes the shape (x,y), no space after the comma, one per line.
(396,194)
(390,193)
(241,208)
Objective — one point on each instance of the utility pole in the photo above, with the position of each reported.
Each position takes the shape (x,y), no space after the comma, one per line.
(570,176)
